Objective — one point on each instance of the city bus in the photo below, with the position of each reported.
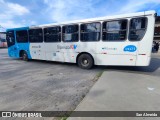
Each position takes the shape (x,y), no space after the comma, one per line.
(119,40)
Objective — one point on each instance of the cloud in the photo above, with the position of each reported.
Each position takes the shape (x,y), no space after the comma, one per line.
(9,12)
(66,10)
(17,9)
(33,12)
(63,10)
(10,24)
(136,5)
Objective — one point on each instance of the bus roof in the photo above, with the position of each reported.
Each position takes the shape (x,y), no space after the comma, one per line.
(145,13)
(21,28)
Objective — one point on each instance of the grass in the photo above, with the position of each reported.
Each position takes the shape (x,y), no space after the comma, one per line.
(99,74)
(64,118)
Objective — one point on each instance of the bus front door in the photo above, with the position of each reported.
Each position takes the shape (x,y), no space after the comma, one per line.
(12,49)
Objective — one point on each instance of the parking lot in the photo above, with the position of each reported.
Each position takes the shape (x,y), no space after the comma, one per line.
(51,86)
(41,85)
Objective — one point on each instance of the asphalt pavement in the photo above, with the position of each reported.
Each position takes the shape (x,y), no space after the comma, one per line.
(42,85)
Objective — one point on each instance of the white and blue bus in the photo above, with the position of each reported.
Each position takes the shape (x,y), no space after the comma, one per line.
(120,40)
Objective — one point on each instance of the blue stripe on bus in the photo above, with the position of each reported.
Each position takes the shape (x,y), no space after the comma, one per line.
(14,51)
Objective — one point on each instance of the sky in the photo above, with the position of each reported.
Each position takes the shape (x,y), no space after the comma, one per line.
(20,13)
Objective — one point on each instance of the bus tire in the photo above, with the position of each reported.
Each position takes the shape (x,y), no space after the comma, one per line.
(85,61)
(24,56)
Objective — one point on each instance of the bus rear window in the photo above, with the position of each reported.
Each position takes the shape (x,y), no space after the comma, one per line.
(137,28)
(10,38)
(35,36)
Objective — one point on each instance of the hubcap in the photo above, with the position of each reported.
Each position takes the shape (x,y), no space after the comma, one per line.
(85,62)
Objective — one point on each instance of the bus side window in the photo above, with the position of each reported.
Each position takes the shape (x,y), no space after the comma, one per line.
(52,34)
(22,36)
(35,35)
(114,30)
(10,38)
(90,32)
(70,33)
(137,28)
(83,28)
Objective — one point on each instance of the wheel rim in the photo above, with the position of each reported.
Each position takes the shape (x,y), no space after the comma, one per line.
(85,62)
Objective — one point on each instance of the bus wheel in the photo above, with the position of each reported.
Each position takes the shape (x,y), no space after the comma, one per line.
(85,61)
(24,56)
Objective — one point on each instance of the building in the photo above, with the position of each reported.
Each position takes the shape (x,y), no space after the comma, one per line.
(2,35)
(3,42)
(157,30)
